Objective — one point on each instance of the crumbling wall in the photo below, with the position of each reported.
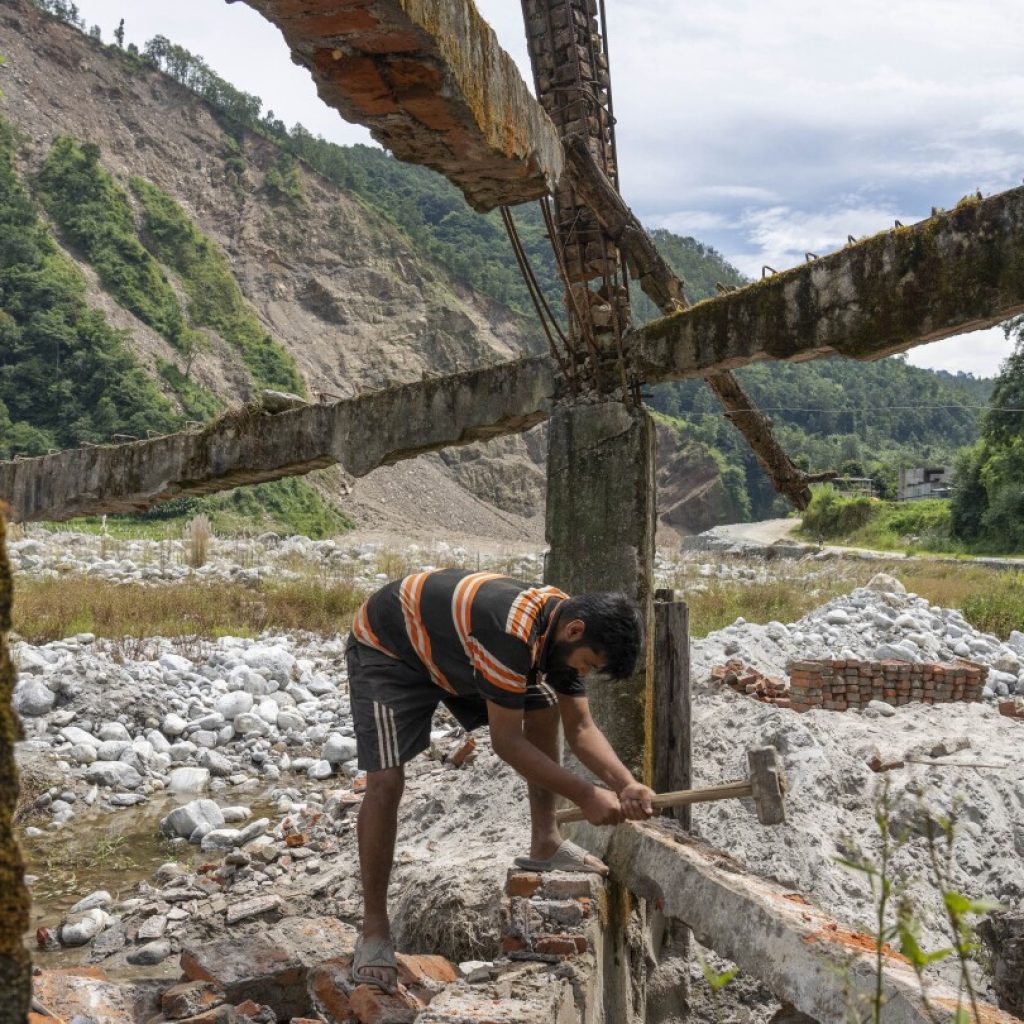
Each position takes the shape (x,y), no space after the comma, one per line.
(15,968)
(839,685)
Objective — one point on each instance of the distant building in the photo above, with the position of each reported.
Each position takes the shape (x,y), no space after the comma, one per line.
(925,482)
(855,486)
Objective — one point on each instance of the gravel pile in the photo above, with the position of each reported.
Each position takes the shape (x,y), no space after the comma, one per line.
(833,792)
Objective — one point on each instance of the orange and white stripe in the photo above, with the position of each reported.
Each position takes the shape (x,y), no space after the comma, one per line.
(410,593)
(526,607)
(363,632)
(482,660)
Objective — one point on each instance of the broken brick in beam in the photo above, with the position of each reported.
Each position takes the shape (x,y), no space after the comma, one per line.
(433,85)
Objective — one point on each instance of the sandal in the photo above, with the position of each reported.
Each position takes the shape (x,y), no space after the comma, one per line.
(374,953)
(568,857)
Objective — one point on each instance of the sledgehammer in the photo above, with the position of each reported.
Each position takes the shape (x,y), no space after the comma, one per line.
(766,786)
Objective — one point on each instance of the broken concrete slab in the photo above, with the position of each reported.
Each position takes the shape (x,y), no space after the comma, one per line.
(270,966)
(433,85)
(808,959)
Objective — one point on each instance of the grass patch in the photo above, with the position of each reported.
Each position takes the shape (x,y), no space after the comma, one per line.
(992,601)
(51,609)
(215,300)
(908,526)
(197,403)
(95,214)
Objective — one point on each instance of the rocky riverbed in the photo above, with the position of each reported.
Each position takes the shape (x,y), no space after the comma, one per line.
(225,771)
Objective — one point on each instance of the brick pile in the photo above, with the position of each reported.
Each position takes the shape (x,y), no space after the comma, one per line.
(551,916)
(752,682)
(835,685)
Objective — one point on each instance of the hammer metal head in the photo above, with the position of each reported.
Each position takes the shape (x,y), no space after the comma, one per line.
(767,784)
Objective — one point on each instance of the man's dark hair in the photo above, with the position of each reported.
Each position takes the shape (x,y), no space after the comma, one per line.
(614,628)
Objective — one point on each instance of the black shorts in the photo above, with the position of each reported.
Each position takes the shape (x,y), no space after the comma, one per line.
(393,707)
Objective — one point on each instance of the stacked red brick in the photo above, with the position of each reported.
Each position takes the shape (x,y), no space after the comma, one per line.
(836,685)
(551,914)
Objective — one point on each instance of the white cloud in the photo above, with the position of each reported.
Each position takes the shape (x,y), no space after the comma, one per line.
(980,353)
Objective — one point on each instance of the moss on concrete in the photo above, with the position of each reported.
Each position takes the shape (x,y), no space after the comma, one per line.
(15,967)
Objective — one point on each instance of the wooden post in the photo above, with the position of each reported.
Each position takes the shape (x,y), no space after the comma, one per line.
(670,734)
(669,738)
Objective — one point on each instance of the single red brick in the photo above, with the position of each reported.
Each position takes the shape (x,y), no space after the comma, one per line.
(374,1006)
(521,884)
(329,983)
(422,969)
(560,945)
(189,998)
(512,943)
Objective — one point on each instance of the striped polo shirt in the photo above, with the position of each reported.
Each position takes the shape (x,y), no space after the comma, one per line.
(473,633)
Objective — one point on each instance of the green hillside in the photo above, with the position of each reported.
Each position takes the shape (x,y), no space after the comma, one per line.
(857,418)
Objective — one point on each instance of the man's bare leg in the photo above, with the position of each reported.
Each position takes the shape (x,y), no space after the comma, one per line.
(376,829)
(541,729)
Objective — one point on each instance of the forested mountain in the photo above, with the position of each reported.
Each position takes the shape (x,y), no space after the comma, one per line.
(196,251)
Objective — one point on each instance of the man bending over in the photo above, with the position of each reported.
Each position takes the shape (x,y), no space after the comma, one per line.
(494,651)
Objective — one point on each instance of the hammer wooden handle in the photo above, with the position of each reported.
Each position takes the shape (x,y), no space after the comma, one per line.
(728,791)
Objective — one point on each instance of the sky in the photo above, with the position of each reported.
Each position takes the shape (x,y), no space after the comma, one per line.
(766,130)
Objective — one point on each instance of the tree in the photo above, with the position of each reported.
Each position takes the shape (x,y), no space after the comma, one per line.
(119,34)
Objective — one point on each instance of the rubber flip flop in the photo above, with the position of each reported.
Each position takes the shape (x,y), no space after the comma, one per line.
(568,857)
(374,953)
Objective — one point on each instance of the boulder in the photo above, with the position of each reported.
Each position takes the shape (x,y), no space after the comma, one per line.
(33,698)
(184,820)
(78,929)
(188,780)
(100,898)
(116,774)
(338,749)
(232,704)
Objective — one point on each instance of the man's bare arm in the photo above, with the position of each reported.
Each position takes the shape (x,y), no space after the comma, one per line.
(591,746)
(512,746)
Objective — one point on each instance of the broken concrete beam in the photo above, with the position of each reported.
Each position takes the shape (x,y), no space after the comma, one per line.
(433,85)
(15,966)
(957,271)
(808,959)
(247,446)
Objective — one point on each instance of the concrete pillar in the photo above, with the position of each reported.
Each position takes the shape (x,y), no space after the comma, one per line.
(600,525)
(15,967)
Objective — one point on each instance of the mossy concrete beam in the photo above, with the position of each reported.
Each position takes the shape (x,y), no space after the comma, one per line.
(431,82)
(958,271)
(802,954)
(249,446)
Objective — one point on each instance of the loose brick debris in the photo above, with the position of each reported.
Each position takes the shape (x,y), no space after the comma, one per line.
(751,681)
(299,970)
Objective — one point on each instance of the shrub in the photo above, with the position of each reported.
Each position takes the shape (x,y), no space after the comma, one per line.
(830,515)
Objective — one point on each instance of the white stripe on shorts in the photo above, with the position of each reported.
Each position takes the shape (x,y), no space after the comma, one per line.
(382,749)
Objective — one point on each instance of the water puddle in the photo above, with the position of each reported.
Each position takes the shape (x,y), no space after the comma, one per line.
(112,850)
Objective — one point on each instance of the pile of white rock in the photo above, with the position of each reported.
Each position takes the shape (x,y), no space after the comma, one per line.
(240,711)
(874,622)
(49,554)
